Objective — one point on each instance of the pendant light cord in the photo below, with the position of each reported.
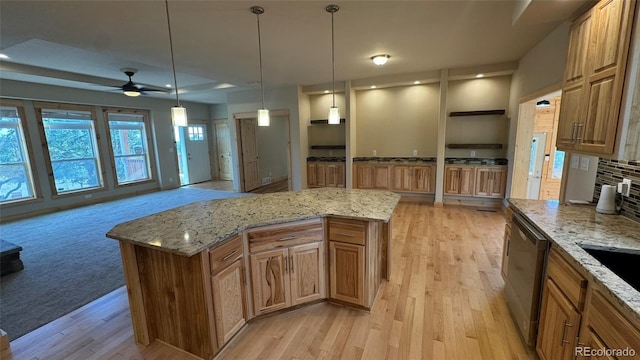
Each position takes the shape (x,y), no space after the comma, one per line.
(333,64)
(260,58)
(173,63)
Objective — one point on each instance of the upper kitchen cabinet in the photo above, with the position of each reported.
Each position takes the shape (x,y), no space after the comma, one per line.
(595,78)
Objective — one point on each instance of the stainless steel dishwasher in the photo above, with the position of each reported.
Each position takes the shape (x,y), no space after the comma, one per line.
(527,254)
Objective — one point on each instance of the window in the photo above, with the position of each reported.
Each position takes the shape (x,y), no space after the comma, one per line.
(129,144)
(196,133)
(16,178)
(73,149)
(558,164)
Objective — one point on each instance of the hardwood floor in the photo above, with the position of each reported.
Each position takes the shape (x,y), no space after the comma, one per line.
(444,301)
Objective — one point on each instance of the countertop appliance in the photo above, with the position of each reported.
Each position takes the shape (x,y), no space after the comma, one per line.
(607,201)
(523,287)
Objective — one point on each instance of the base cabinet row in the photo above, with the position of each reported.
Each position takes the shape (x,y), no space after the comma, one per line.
(405,178)
(480,181)
(325,174)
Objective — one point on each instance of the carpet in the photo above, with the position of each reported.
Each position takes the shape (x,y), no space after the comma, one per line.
(68,260)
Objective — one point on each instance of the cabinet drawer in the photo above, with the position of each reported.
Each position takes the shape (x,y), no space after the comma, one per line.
(611,326)
(225,254)
(285,235)
(348,231)
(567,278)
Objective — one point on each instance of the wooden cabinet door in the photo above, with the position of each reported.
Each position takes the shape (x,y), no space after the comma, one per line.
(483,182)
(467,180)
(589,339)
(451,180)
(559,324)
(307,273)
(335,175)
(401,178)
(346,272)
(320,175)
(498,183)
(229,301)
(311,175)
(364,176)
(340,175)
(422,179)
(610,38)
(270,281)
(382,177)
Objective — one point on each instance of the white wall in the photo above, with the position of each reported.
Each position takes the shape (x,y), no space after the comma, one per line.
(395,121)
(161,129)
(541,67)
(580,182)
(478,94)
(285,98)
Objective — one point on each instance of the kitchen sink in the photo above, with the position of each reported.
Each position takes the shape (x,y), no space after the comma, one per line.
(623,264)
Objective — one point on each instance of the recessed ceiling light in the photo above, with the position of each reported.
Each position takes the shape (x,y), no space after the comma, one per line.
(168,85)
(372,87)
(327,91)
(480,75)
(380,59)
(416,82)
(3,56)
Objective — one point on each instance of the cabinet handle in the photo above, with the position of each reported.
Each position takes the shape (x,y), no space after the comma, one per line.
(564,331)
(578,127)
(573,132)
(287,238)
(291,265)
(229,255)
(286,265)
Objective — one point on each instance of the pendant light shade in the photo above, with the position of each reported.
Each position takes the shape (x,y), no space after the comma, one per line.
(263,114)
(178,113)
(334,111)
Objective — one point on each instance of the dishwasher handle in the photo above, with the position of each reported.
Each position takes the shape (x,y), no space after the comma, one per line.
(533,235)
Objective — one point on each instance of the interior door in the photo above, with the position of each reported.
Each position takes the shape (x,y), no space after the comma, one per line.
(197,148)
(536,161)
(224,150)
(248,137)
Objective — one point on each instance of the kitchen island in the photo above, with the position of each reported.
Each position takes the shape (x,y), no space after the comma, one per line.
(587,302)
(196,274)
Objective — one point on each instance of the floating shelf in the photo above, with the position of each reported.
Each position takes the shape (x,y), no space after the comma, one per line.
(476,113)
(328,147)
(474,146)
(325,121)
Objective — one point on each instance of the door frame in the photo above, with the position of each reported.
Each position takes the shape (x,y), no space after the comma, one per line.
(237,117)
(522,148)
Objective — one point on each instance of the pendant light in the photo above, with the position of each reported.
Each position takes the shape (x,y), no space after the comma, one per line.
(334,111)
(178,113)
(263,114)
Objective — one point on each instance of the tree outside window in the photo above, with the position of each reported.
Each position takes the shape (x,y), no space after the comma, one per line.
(129,143)
(16,180)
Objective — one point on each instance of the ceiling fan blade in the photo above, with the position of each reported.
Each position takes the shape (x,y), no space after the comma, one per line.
(146,89)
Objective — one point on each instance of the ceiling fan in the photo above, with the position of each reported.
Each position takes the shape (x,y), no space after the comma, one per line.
(131,88)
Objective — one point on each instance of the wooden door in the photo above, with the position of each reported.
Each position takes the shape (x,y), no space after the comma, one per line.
(229,301)
(382,177)
(346,272)
(307,273)
(559,323)
(452,180)
(498,182)
(422,179)
(364,176)
(401,178)
(249,146)
(589,339)
(573,88)
(270,281)
(312,176)
(223,145)
(610,38)
(467,180)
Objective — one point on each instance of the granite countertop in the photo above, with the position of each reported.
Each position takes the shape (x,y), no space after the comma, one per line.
(395,160)
(570,226)
(190,229)
(326,159)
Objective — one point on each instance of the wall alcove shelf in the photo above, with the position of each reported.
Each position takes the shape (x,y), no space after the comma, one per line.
(474,146)
(328,147)
(476,113)
(325,121)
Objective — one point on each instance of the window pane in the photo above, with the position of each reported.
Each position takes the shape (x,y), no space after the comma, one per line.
(130,151)
(532,156)
(558,164)
(16,181)
(73,151)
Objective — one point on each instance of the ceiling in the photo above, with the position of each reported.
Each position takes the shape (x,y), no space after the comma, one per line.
(84,44)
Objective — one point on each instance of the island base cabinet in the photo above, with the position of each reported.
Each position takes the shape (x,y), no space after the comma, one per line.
(307,273)
(229,304)
(347,272)
(270,281)
(559,324)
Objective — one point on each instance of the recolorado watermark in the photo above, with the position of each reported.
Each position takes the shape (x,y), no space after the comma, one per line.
(587,351)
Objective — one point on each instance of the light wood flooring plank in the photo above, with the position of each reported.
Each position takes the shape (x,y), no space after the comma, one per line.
(444,301)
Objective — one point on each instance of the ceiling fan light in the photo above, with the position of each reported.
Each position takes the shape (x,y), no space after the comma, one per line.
(179,116)
(380,59)
(133,93)
(334,115)
(263,117)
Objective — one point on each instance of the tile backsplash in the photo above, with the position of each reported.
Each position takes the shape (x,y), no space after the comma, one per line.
(611,172)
